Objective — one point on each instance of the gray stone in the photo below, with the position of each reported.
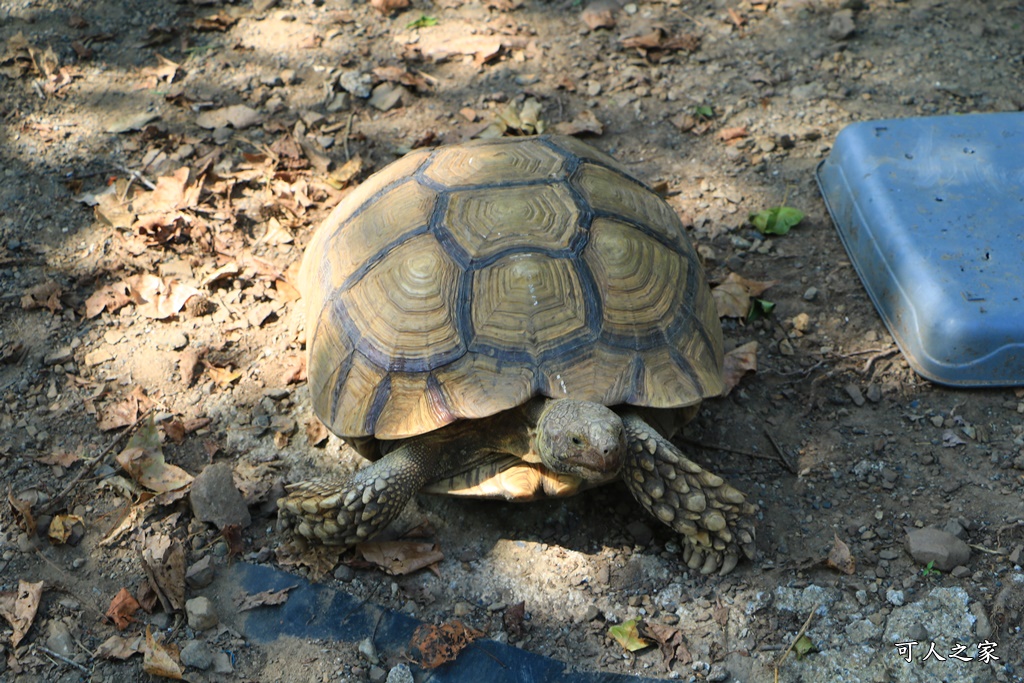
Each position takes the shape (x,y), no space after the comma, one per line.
(356,83)
(368,651)
(894,597)
(861,631)
(58,355)
(841,25)
(222,663)
(640,532)
(939,547)
(808,91)
(810,294)
(387,96)
(400,674)
(377,674)
(200,574)
(953,527)
(215,499)
(200,613)
(982,627)
(58,638)
(197,655)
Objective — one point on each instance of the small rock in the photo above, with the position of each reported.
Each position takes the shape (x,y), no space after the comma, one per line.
(200,574)
(954,527)
(59,638)
(462,608)
(853,391)
(401,673)
(197,655)
(58,356)
(811,294)
(339,102)
(861,631)
(808,91)
(377,674)
(894,597)
(874,393)
(592,613)
(937,420)
(717,674)
(960,572)
(841,25)
(201,614)
(599,14)
(263,5)
(214,497)
(387,96)
(356,83)
(344,573)
(982,626)
(942,548)
(222,663)
(368,651)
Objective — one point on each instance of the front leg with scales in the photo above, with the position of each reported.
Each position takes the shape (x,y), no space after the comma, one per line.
(714,518)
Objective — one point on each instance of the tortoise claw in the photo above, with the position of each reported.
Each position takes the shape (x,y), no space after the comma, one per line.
(713,517)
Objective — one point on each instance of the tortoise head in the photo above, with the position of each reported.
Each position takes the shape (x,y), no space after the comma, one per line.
(581,438)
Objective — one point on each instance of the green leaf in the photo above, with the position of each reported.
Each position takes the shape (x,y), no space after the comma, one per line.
(422,22)
(626,635)
(803,647)
(776,220)
(704,111)
(760,308)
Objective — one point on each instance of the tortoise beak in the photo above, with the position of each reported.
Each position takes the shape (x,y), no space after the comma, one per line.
(599,454)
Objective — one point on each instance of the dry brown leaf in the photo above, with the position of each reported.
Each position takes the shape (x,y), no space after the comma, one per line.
(584,123)
(647,41)
(19,608)
(156,298)
(732,295)
(45,295)
(599,14)
(163,558)
(143,460)
(512,619)
(221,22)
(389,7)
(734,133)
(223,376)
(119,647)
(110,298)
(237,116)
(62,458)
(22,508)
(250,601)
(165,70)
(839,557)
(737,363)
(671,641)
(63,526)
(160,660)
(439,645)
(400,557)
(120,414)
(348,172)
(316,432)
(122,609)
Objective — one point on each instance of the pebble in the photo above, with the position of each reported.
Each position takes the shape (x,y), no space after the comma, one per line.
(214,497)
(344,573)
(368,651)
(942,548)
(200,613)
(387,96)
(640,532)
(810,294)
(356,83)
(59,638)
(841,25)
(982,626)
(222,663)
(894,597)
(400,673)
(197,655)
(58,356)
(200,574)
(853,391)
(377,674)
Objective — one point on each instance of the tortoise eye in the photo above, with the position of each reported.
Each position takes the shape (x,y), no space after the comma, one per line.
(577,441)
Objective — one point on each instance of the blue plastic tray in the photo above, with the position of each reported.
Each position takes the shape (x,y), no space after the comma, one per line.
(931,211)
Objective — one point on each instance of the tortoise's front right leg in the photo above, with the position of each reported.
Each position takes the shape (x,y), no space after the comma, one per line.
(714,518)
(344,512)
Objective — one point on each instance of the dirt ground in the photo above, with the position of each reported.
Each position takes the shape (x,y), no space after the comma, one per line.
(128,285)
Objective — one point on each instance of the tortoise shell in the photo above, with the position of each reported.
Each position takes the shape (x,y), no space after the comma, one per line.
(461,281)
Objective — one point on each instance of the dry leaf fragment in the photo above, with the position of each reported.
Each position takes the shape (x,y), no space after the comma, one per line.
(163,558)
(223,376)
(160,660)
(143,460)
(671,641)
(316,432)
(63,526)
(122,609)
(61,458)
(584,123)
(737,363)
(221,22)
(249,601)
(238,116)
(45,295)
(439,645)
(110,298)
(389,7)
(119,647)
(156,298)
(839,557)
(19,608)
(734,133)
(400,557)
(732,295)
(599,14)
(22,508)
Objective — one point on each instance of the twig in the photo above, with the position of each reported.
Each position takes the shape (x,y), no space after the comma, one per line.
(348,131)
(866,372)
(51,653)
(803,629)
(728,449)
(93,464)
(783,456)
(983,549)
(136,176)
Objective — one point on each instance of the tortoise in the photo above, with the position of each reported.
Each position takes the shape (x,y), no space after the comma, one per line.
(514,318)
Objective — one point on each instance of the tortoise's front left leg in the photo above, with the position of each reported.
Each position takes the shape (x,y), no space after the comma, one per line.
(714,518)
(344,512)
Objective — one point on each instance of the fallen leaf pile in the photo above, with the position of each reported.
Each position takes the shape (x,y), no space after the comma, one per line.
(438,645)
